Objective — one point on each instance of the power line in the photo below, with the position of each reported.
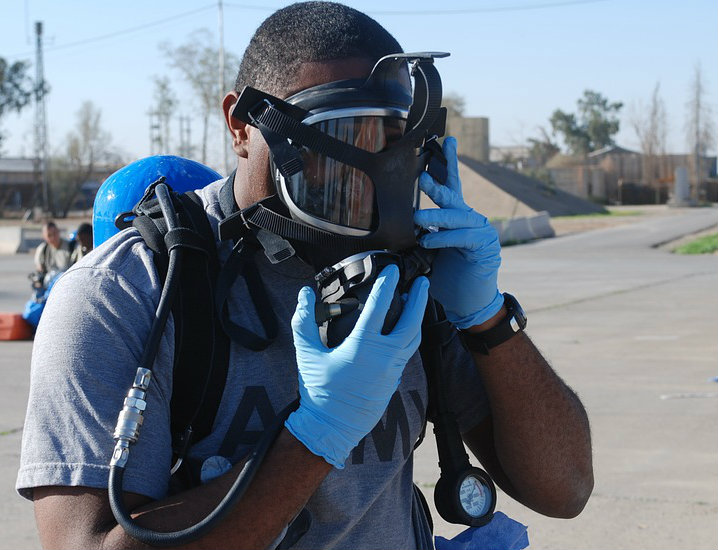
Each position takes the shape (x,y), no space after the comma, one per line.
(164,20)
(458,11)
(94,39)
(489,9)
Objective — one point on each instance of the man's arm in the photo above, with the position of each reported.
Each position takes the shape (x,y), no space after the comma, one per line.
(80,517)
(537,442)
(40,257)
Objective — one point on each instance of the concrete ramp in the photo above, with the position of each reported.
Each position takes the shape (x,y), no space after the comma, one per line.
(498,192)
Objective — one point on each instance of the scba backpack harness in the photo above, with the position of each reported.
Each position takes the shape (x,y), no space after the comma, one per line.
(194,290)
(202,328)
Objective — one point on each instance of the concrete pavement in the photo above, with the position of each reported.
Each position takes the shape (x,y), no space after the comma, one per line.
(631,328)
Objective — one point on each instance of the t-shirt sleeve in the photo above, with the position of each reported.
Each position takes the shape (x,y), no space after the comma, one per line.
(39,252)
(464,386)
(86,352)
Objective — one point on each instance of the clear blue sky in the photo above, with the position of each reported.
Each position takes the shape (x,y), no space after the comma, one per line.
(514,61)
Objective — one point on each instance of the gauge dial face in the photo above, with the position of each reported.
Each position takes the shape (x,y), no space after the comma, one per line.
(475,496)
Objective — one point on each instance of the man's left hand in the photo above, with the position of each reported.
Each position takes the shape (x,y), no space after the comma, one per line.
(465,270)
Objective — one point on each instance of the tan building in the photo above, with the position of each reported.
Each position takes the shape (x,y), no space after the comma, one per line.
(18,186)
(472,135)
(617,175)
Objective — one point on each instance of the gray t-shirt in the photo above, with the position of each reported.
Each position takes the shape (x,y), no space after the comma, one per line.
(87,349)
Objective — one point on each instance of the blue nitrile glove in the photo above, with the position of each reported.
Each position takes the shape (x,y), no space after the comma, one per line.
(463,277)
(344,391)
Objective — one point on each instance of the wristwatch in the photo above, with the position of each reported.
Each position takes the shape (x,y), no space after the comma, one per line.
(512,324)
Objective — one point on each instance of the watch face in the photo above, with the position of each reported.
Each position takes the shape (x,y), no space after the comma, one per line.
(475,496)
(518,319)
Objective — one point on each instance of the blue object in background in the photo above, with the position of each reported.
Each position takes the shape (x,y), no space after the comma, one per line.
(501,533)
(122,190)
(35,305)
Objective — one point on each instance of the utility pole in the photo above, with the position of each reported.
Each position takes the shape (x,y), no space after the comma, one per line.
(156,145)
(40,161)
(185,147)
(221,81)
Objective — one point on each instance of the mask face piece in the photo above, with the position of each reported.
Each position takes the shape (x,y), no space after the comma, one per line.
(346,155)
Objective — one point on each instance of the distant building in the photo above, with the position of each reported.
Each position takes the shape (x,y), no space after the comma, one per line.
(517,157)
(17,183)
(472,135)
(617,175)
(19,191)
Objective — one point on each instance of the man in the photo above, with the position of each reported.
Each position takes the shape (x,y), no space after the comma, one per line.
(333,457)
(53,255)
(83,242)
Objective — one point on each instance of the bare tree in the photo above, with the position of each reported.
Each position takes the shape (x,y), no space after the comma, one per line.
(455,105)
(542,148)
(165,102)
(86,146)
(197,60)
(699,129)
(650,124)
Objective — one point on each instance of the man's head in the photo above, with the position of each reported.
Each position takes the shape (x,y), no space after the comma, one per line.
(84,235)
(300,46)
(51,234)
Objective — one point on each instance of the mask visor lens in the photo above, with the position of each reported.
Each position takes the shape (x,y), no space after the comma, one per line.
(338,193)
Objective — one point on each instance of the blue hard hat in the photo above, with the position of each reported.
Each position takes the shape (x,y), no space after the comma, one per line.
(122,190)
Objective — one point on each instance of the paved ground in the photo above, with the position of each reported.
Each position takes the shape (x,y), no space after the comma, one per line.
(630,327)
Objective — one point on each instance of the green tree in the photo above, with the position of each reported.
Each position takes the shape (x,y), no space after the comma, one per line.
(16,87)
(592,127)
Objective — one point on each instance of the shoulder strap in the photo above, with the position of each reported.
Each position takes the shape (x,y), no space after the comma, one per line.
(201,348)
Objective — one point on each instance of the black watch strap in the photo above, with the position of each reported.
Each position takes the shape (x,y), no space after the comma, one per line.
(512,324)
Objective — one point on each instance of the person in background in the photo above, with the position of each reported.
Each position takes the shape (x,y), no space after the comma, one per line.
(82,242)
(53,255)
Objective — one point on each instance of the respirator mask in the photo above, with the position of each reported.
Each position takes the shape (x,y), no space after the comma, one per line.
(345,158)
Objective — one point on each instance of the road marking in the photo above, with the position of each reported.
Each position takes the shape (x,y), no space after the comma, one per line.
(689,395)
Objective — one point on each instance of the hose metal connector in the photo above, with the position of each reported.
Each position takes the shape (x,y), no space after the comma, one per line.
(130,418)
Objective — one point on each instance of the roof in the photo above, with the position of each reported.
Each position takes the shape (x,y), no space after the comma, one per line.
(611,149)
(22,165)
(534,193)
(560,160)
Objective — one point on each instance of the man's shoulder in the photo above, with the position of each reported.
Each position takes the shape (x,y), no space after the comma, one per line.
(210,196)
(124,257)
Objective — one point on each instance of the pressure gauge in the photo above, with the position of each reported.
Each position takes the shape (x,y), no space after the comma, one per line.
(467,497)
(475,496)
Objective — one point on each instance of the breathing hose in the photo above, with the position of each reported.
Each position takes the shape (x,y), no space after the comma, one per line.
(131,418)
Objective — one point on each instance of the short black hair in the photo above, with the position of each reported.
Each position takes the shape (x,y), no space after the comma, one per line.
(309,32)
(84,229)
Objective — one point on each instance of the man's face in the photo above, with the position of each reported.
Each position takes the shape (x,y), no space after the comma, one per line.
(254,179)
(52,236)
(85,240)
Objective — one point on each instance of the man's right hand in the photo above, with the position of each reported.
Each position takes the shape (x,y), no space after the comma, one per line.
(345,390)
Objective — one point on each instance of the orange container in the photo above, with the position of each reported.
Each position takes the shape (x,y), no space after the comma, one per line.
(14,327)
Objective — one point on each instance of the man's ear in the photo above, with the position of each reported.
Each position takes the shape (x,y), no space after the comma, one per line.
(237,128)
